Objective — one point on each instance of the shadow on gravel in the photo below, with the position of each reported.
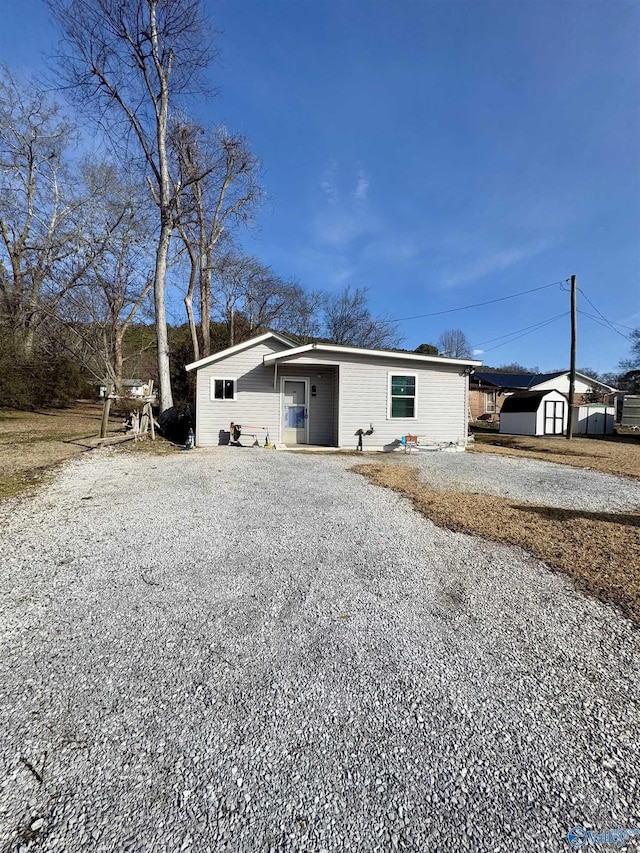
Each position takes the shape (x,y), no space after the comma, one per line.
(630,519)
(599,551)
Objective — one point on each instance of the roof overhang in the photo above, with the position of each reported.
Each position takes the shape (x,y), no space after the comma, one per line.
(336,349)
(238,348)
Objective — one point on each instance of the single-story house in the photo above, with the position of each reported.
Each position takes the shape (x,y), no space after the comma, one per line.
(534,413)
(323,394)
(136,388)
(488,389)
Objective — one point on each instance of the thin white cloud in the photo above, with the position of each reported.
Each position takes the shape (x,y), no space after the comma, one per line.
(329,182)
(342,218)
(362,187)
(495,262)
(477,352)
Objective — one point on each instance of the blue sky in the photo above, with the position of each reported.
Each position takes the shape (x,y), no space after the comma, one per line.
(440,153)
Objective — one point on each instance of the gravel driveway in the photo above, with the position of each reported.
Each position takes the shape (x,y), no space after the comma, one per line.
(529,480)
(239,650)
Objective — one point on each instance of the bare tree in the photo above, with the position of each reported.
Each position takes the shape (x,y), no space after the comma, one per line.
(43,253)
(99,313)
(301,315)
(131,60)
(222,178)
(348,320)
(454,344)
(251,296)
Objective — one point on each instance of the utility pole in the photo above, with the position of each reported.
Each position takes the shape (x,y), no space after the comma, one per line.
(572,367)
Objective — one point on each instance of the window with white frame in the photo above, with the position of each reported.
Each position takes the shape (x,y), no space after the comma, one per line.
(402,395)
(223,389)
(490,401)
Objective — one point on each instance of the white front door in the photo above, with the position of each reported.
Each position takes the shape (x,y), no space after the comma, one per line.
(295,410)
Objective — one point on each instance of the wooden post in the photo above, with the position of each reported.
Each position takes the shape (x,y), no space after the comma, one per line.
(572,367)
(150,404)
(105,410)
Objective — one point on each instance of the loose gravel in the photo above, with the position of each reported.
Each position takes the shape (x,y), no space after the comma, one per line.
(529,480)
(243,650)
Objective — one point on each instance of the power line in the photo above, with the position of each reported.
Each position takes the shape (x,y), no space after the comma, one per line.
(610,323)
(605,325)
(533,327)
(479,304)
(539,326)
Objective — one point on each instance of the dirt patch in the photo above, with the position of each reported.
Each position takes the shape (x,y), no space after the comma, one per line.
(600,551)
(619,456)
(31,442)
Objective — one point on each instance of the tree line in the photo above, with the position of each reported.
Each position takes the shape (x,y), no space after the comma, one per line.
(92,246)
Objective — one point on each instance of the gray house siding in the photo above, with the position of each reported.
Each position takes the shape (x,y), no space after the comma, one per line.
(257,403)
(352,393)
(364,397)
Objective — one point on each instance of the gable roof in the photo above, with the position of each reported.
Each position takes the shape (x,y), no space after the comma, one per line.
(238,348)
(525,381)
(377,353)
(525,401)
(503,380)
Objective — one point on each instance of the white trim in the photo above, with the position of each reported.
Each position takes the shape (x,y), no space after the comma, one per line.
(238,348)
(391,374)
(306,380)
(212,389)
(372,353)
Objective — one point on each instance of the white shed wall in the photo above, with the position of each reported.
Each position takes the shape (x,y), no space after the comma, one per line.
(518,423)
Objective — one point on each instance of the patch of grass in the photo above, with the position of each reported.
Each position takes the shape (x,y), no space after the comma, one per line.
(617,455)
(32,442)
(13,484)
(600,551)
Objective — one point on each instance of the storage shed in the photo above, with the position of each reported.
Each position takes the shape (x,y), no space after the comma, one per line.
(593,419)
(534,413)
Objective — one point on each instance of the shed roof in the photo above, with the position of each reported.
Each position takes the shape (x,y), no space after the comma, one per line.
(525,401)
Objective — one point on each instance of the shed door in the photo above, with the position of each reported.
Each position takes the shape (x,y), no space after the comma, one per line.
(294,411)
(553,417)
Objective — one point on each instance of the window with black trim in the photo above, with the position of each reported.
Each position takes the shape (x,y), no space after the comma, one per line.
(402,395)
(223,389)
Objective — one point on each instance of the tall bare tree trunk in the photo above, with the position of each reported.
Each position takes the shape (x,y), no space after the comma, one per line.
(118,360)
(188,303)
(162,336)
(205,312)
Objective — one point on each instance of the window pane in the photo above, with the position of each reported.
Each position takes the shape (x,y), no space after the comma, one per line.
(228,389)
(402,407)
(403,386)
(219,387)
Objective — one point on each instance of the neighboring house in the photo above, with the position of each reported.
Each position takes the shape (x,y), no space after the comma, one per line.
(130,388)
(488,390)
(534,413)
(322,394)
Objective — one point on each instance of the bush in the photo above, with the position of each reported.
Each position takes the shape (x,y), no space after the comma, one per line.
(29,383)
